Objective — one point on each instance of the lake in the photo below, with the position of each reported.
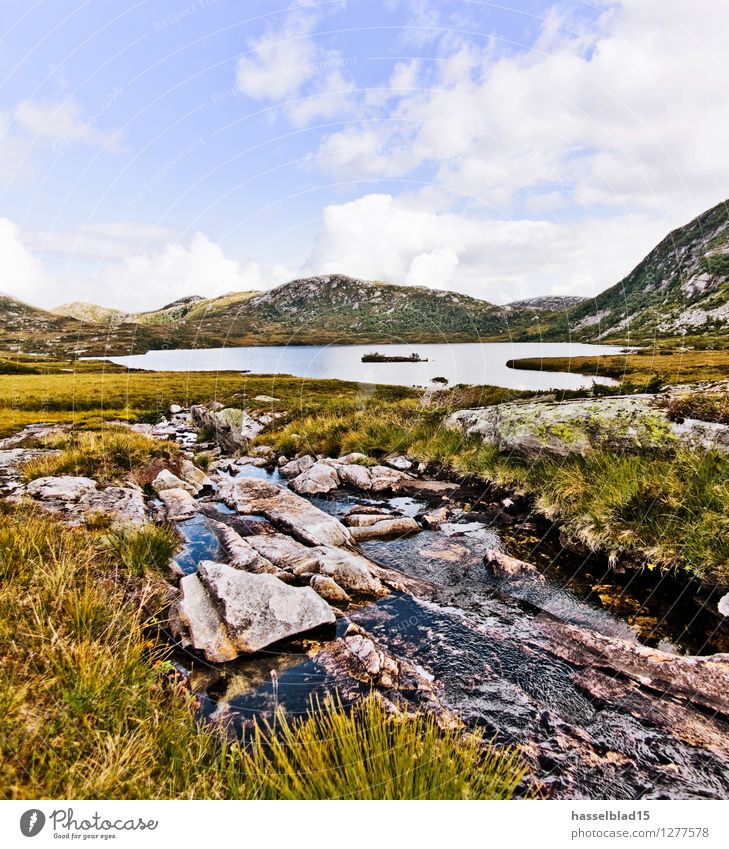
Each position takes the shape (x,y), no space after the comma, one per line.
(467,362)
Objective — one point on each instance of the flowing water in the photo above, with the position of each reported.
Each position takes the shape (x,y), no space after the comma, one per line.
(482,363)
(486,643)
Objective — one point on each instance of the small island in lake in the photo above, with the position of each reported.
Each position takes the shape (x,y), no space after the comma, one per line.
(374,357)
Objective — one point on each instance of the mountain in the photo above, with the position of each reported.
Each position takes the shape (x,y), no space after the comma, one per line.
(548,302)
(680,289)
(88,313)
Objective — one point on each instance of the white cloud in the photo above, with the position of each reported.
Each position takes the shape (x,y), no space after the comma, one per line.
(23,273)
(40,125)
(287,66)
(379,237)
(120,276)
(627,109)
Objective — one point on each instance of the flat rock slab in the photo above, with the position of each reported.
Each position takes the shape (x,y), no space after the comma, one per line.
(179,504)
(259,610)
(387,527)
(288,511)
(206,630)
(61,488)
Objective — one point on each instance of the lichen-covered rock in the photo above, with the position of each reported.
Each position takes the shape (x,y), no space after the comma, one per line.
(627,423)
(232,428)
(385,479)
(284,552)
(242,554)
(351,571)
(259,610)
(356,476)
(401,463)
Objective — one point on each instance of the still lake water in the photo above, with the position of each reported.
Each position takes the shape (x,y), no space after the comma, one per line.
(468,362)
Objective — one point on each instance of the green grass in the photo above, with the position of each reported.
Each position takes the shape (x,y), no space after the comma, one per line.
(673,509)
(369,754)
(92,708)
(109,455)
(140,550)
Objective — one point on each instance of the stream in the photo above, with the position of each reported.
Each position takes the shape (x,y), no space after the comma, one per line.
(487,645)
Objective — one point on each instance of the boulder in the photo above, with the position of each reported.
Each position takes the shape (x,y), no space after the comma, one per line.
(723,605)
(206,629)
(297,467)
(62,488)
(319,479)
(426,488)
(503,566)
(232,428)
(259,610)
(288,511)
(166,480)
(385,479)
(433,519)
(354,475)
(387,527)
(195,477)
(354,458)
(363,520)
(123,504)
(283,551)
(175,409)
(328,589)
(629,423)
(179,504)
(351,571)
(401,463)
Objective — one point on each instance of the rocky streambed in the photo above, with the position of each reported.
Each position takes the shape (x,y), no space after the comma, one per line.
(307,576)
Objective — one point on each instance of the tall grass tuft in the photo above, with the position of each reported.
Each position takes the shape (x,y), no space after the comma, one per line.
(144,549)
(368,753)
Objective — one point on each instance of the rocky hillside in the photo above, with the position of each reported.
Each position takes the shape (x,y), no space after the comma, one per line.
(312,310)
(548,302)
(88,313)
(680,288)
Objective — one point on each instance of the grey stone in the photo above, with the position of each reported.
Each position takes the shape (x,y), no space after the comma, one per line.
(205,626)
(166,480)
(328,589)
(297,467)
(61,488)
(285,509)
(259,610)
(179,504)
(386,527)
(320,478)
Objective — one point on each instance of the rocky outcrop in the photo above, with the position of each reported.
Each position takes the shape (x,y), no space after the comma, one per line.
(318,479)
(328,589)
(202,625)
(195,477)
(286,510)
(78,499)
(232,429)
(259,610)
(630,423)
(241,553)
(64,488)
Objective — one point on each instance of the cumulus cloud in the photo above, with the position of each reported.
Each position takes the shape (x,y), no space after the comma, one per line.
(23,274)
(380,237)
(130,280)
(286,65)
(591,111)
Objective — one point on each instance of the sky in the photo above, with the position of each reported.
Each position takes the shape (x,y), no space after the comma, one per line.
(152,150)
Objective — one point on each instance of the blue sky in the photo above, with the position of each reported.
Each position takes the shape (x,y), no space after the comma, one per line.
(155,149)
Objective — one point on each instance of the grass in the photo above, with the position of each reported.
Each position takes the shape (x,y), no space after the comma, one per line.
(109,455)
(88,398)
(92,708)
(673,510)
(141,550)
(369,754)
(668,363)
